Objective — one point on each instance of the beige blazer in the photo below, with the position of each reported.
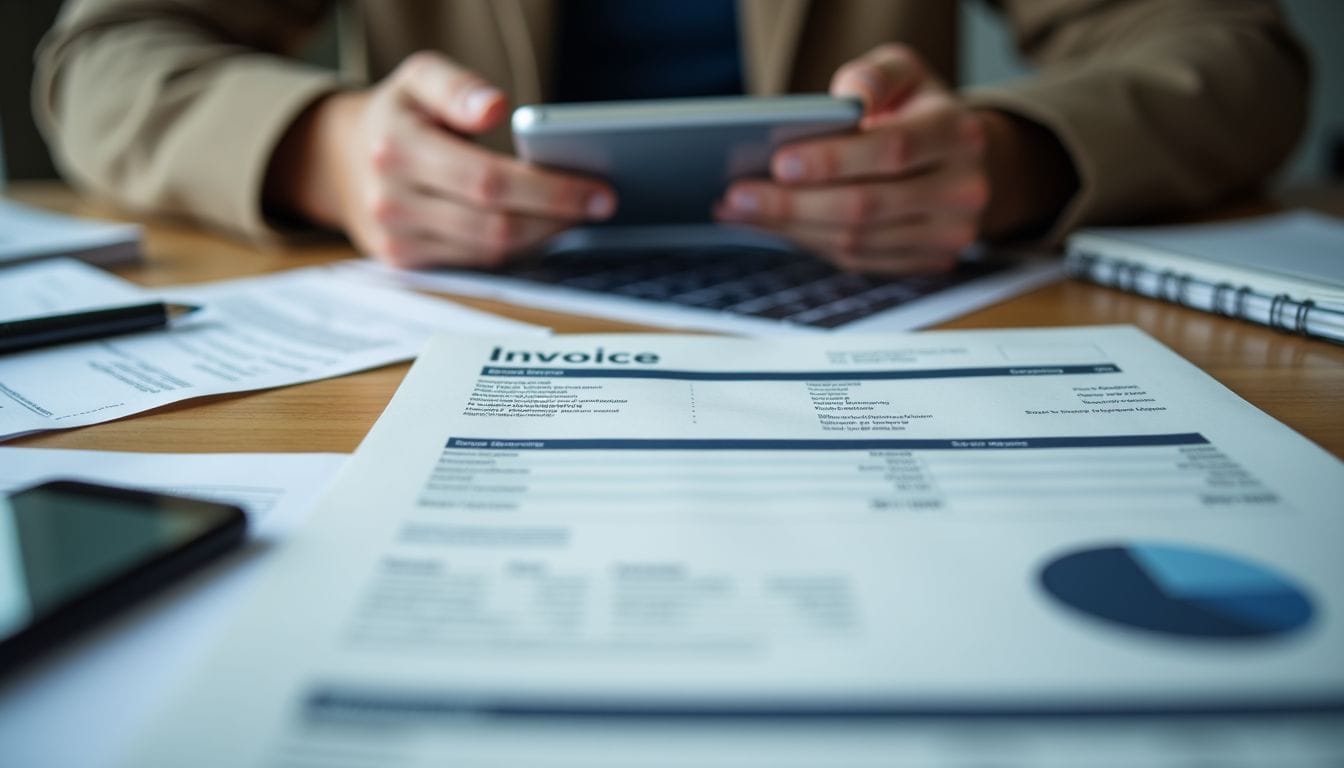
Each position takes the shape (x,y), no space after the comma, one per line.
(176,105)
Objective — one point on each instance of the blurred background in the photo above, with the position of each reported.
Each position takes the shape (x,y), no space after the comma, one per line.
(987,57)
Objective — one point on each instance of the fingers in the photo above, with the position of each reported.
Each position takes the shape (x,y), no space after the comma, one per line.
(925,235)
(412,190)
(448,93)
(918,224)
(418,250)
(901,196)
(882,78)
(905,247)
(413,249)
(444,164)
(959,189)
(896,264)
(895,249)
(937,130)
(413,228)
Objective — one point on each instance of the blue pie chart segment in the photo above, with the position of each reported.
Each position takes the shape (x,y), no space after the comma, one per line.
(1178,590)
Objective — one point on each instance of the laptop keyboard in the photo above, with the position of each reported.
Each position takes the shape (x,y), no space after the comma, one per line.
(754,282)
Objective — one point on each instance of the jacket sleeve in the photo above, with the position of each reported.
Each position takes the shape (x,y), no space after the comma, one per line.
(176,106)
(1162,105)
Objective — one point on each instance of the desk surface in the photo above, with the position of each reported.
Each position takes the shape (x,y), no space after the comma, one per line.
(1295,380)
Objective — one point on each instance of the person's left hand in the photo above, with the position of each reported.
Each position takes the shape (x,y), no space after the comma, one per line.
(903,195)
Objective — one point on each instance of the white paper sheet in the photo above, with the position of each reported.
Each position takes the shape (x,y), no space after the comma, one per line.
(61,285)
(33,233)
(254,333)
(76,707)
(541,539)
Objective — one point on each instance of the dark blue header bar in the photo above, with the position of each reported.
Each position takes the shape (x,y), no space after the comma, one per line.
(343,705)
(931,373)
(973,444)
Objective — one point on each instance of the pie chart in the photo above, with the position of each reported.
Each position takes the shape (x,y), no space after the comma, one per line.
(1178,590)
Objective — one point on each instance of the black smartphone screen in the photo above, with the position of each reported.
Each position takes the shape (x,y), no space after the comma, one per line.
(71,552)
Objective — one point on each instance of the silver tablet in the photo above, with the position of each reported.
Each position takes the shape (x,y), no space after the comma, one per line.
(669,160)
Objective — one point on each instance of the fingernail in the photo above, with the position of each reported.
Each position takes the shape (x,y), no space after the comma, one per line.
(600,205)
(478,100)
(790,168)
(744,201)
(874,87)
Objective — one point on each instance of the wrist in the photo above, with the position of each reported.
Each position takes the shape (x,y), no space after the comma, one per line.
(1031,177)
(306,178)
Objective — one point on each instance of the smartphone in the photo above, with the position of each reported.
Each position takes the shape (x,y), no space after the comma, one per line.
(72,553)
(670,159)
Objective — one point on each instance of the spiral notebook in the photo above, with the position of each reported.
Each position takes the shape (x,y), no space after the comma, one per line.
(1285,270)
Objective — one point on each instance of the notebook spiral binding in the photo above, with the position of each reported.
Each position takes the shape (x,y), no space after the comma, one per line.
(1228,300)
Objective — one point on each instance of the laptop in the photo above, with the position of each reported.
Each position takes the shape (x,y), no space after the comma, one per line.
(731,280)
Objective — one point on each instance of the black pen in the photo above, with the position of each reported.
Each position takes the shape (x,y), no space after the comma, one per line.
(19,335)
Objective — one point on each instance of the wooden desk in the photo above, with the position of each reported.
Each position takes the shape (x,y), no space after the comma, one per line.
(1298,381)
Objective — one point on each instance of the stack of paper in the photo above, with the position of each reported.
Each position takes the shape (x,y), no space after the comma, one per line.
(256,332)
(27,234)
(648,532)
(109,679)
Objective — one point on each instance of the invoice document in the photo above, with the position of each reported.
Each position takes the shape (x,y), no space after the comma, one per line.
(256,332)
(106,681)
(853,529)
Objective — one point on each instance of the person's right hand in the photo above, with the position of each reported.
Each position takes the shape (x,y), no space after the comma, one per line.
(390,166)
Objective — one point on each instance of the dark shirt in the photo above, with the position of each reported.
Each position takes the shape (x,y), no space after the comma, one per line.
(646,49)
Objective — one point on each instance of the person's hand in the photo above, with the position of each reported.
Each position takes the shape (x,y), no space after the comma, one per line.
(391,167)
(903,195)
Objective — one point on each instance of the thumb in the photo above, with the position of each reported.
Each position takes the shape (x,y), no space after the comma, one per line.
(883,78)
(451,94)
